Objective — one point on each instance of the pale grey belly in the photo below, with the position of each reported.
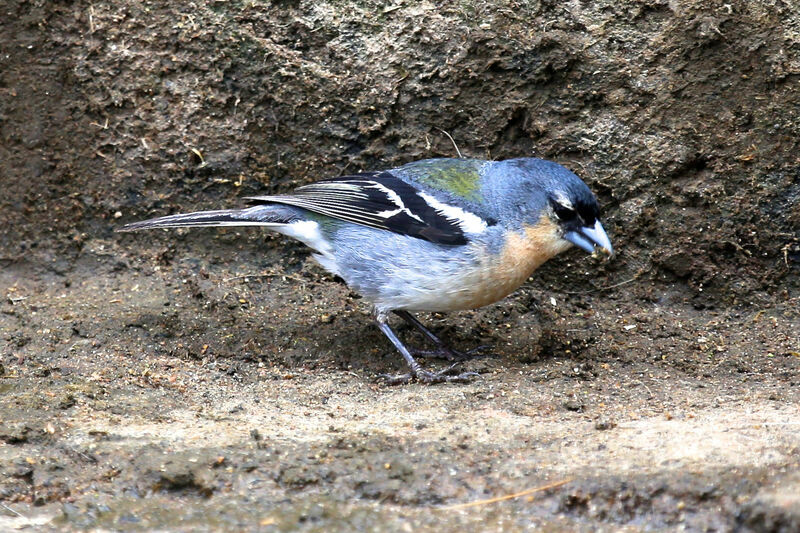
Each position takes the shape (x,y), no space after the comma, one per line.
(395,271)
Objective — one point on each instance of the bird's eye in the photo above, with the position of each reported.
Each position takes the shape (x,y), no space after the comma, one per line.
(565,214)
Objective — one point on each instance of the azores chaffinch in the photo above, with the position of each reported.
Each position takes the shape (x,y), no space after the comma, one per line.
(432,235)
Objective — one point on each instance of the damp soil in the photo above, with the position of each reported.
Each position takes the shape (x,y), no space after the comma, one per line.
(220,380)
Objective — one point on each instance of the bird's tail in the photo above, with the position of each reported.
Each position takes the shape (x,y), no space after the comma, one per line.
(274,216)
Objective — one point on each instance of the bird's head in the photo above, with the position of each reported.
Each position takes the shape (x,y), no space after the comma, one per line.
(560,200)
(573,207)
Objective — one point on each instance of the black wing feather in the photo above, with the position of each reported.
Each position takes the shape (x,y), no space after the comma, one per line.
(375,199)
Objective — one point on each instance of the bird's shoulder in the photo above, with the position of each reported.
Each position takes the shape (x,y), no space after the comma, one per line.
(454,178)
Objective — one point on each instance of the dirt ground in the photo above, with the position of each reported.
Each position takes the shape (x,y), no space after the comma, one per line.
(220,380)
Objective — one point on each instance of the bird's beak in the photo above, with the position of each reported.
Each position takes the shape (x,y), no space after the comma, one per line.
(590,238)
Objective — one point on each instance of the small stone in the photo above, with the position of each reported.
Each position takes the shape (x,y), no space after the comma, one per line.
(604,424)
(14,432)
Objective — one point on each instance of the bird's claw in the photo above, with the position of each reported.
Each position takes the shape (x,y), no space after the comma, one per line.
(448,375)
(450,354)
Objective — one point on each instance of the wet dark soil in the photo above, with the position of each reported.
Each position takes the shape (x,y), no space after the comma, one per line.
(219,380)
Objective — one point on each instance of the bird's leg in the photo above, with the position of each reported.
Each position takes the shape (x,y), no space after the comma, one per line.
(416,370)
(442,351)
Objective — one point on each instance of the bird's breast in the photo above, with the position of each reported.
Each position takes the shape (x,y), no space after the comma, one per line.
(487,278)
(522,253)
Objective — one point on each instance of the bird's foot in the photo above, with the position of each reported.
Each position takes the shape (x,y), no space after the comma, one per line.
(448,375)
(445,352)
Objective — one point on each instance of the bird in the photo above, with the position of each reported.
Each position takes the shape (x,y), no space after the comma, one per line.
(433,235)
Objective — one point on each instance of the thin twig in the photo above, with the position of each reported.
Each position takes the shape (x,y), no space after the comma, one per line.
(265,275)
(614,286)
(452,141)
(245,276)
(10,510)
(507,496)
(608,287)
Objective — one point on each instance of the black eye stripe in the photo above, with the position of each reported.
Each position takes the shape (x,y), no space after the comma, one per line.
(563,212)
(584,210)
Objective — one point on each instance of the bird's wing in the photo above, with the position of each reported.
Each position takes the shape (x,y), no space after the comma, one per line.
(383,200)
